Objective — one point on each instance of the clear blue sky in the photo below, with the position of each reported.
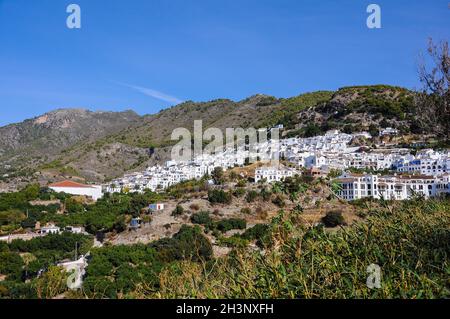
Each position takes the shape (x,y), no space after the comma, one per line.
(148,54)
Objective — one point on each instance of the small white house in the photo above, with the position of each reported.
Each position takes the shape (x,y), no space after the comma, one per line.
(273,174)
(156,207)
(93,191)
(51,229)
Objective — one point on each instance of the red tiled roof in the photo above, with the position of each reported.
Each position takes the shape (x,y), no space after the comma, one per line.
(69,184)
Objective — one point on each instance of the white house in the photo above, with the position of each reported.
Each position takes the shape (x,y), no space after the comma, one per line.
(93,191)
(51,229)
(273,174)
(156,207)
(401,187)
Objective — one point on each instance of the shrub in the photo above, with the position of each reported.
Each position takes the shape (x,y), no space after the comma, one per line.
(232,223)
(241,183)
(218,196)
(201,218)
(251,196)
(178,211)
(188,243)
(333,219)
(266,194)
(233,241)
(239,192)
(246,211)
(260,233)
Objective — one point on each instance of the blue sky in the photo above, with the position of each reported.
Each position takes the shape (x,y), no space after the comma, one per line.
(150,54)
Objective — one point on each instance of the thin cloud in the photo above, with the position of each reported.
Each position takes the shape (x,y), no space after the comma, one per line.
(153,93)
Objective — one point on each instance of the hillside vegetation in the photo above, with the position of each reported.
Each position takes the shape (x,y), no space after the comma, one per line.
(284,254)
(410,241)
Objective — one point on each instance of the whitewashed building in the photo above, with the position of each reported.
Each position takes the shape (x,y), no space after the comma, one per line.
(273,174)
(93,191)
(398,187)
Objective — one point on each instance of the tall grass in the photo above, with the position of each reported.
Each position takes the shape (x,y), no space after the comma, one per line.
(410,241)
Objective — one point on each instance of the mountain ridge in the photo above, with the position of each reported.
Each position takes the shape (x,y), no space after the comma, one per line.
(98,145)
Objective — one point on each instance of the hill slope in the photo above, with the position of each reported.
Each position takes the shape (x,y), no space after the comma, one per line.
(99,146)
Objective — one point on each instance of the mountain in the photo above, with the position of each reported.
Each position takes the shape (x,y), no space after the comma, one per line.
(98,146)
(39,140)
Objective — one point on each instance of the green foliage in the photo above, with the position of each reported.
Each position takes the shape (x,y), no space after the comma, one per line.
(235,241)
(286,113)
(190,186)
(409,243)
(189,243)
(201,218)
(225,225)
(311,130)
(11,265)
(218,196)
(119,269)
(178,211)
(239,192)
(251,196)
(73,206)
(260,232)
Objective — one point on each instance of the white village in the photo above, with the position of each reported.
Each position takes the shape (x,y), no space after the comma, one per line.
(425,173)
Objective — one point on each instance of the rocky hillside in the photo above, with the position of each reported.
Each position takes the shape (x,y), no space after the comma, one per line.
(99,146)
(353,109)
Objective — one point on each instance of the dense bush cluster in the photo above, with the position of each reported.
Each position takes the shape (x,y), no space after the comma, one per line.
(201,218)
(218,196)
(21,261)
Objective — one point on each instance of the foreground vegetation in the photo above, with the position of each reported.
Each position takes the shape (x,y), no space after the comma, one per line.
(284,258)
(410,241)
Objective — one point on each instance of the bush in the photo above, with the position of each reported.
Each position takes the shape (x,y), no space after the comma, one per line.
(260,233)
(265,194)
(178,211)
(251,196)
(333,219)
(11,265)
(201,218)
(241,183)
(239,192)
(218,196)
(246,211)
(188,243)
(233,241)
(232,223)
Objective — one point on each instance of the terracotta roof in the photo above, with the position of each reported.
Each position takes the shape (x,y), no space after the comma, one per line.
(69,184)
